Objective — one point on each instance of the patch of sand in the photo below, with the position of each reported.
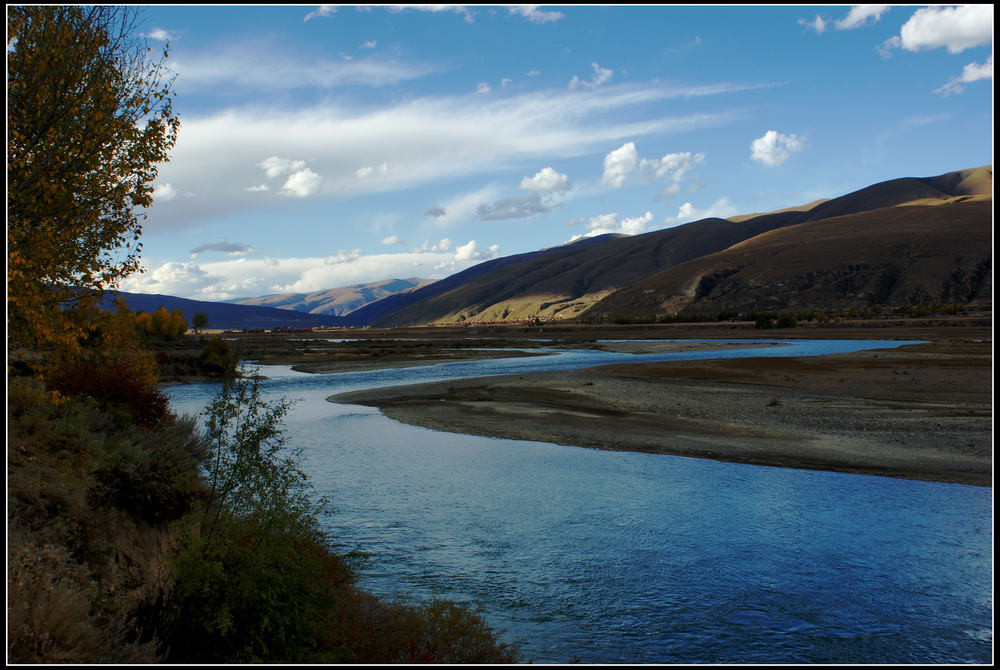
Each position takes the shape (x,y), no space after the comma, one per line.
(919,412)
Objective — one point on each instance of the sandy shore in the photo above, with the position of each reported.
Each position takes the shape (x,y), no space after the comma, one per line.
(918,412)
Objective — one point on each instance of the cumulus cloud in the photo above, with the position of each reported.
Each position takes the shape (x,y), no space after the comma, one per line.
(601,75)
(442,246)
(672,167)
(774,148)
(513,208)
(860,15)
(322,10)
(369,44)
(619,164)
(436,211)
(687,212)
(954,28)
(482,87)
(259,188)
(302,183)
(229,248)
(547,180)
(275,166)
(160,35)
(164,193)
(467,252)
(604,224)
(970,73)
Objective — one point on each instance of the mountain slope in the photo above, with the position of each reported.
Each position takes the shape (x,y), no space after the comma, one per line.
(564,282)
(901,255)
(336,301)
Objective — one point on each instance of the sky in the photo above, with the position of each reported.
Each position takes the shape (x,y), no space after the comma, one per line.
(323,146)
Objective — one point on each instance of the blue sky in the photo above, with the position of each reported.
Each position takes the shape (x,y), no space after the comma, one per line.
(323,146)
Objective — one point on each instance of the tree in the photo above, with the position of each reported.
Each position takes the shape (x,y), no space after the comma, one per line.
(89,116)
(199,321)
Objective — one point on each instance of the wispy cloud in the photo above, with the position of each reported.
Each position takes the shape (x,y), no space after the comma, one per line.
(321,11)
(217,157)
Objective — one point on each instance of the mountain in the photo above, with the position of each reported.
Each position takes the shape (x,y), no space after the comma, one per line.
(224,315)
(904,241)
(903,255)
(336,301)
(572,280)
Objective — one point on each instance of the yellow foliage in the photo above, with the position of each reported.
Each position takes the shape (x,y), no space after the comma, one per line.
(88,119)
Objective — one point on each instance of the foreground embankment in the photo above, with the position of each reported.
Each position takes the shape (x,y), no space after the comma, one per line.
(919,412)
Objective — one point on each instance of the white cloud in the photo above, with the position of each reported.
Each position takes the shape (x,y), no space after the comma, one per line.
(774,148)
(164,193)
(302,183)
(160,35)
(687,212)
(251,277)
(619,164)
(257,67)
(369,44)
(467,252)
(482,87)
(275,166)
(426,139)
(363,172)
(970,73)
(955,28)
(604,224)
(442,246)
(260,188)
(547,180)
(601,76)
(504,81)
(322,10)
(818,24)
(457,9)
(390,240)
(672,166)
(535,15)
(533,73)
(859,16)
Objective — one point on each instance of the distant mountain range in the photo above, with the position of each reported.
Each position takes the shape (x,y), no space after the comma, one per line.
(336,301)
(903,241)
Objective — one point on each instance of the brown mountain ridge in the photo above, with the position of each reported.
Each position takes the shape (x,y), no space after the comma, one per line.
(907,240)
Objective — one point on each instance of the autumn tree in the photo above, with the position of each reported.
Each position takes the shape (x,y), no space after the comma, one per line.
(89,117)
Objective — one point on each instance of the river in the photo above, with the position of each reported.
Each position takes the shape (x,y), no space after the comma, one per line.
(595,556)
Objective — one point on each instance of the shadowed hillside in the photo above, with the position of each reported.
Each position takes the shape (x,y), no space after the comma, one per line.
(909,254)
(566,281)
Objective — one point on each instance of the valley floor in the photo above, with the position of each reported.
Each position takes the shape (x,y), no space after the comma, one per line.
(918,412)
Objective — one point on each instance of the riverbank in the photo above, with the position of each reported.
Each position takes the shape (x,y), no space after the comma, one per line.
(918,412)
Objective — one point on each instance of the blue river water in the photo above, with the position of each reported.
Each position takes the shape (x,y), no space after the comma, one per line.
(595,556)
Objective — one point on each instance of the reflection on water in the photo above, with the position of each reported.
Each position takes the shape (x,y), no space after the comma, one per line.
(582,554)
